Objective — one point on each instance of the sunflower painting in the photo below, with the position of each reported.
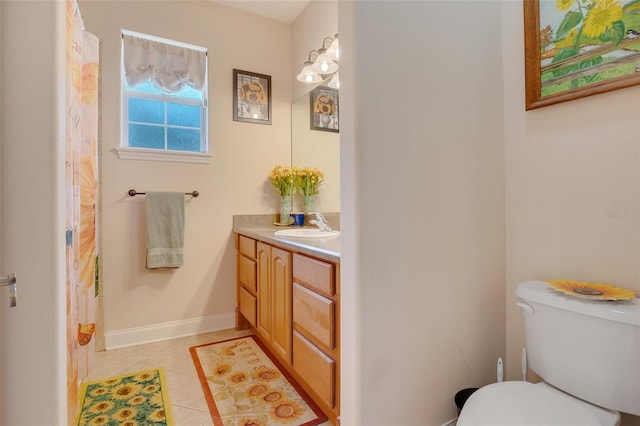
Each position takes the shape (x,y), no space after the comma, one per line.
(252,97)
(577,48)
(324,109)
(593,291)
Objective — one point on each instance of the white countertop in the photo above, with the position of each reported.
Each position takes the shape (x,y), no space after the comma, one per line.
(261,227)
(324,248)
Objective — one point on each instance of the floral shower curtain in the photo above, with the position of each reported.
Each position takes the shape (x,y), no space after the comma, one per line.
(81,191)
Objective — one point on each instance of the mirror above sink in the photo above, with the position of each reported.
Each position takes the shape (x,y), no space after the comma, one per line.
(314,148)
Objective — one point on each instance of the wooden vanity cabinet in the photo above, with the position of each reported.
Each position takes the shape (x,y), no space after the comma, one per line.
(291,302)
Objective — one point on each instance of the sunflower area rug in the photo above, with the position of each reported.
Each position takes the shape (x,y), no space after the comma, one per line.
(129,400)
(245,386)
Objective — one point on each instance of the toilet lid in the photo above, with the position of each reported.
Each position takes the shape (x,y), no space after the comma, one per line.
(523,403)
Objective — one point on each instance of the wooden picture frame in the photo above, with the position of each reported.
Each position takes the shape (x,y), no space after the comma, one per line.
(251,97)
(570,55)
(323,106)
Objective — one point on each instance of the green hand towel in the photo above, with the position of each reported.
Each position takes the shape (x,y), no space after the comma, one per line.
(165,229)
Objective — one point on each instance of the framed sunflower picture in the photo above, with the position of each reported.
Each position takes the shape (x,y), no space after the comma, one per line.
(252,97)
(324,109)
(578,48)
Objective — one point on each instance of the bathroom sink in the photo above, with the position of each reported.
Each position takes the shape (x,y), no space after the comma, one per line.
(306,233)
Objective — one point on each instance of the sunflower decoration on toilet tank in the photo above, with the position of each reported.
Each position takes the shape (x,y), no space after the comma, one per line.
(591,291)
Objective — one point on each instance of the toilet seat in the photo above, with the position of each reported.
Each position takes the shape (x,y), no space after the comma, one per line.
(523,403)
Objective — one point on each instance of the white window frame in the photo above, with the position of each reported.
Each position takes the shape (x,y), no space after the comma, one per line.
(127,152)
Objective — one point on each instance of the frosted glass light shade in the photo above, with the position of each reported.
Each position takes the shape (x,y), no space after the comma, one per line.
(324,64)
(308,75)
(334,51)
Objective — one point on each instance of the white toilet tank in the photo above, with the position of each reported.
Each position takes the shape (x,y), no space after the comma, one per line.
(589,349)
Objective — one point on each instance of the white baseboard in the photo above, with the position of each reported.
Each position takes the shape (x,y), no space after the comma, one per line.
(451,422)
(168,330)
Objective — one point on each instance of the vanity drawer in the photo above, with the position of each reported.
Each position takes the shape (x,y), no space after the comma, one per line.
(315,274)
(247,246)
(314,315)
(248,306)
(247,273)
(317,369)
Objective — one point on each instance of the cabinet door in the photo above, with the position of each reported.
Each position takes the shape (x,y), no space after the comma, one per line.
(247,246)
(315,274)
(318,370)
(248,306)
(314,316)
(281,302)
(263,320)
(247,273)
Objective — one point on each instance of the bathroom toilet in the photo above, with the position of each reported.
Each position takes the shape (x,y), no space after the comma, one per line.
(587,353)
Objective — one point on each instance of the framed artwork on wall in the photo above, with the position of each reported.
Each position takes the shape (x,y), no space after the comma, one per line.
(251,97)
(578,48)
(324,109)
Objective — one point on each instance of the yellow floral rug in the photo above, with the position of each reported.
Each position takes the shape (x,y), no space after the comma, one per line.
(129,400)
(245,386)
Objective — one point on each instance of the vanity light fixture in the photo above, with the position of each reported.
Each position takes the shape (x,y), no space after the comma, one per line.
(334,50)
(324,64)
(308,74)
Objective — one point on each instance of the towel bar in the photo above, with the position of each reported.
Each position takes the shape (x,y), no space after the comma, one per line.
(133,193)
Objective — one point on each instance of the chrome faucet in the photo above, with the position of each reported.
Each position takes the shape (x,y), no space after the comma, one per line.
(320,222)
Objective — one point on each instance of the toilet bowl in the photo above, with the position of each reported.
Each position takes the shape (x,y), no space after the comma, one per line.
(587,353)
(523,403)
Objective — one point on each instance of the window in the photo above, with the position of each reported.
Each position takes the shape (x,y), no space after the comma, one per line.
(164,100)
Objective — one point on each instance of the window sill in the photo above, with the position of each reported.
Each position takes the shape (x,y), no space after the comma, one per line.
(126,153)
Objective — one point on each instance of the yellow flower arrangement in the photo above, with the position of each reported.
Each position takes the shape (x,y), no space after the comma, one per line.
(309,180)
(594,291)
(253,93)
(324,105)
(284,179)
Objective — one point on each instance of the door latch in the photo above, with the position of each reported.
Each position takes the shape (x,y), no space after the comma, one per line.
(11,282)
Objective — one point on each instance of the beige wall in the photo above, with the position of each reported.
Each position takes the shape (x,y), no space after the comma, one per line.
(234,182)
(422,207)
(573,187)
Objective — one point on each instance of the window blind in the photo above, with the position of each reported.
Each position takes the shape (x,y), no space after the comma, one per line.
(168,67)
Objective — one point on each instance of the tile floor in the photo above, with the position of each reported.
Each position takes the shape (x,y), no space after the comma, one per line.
(187,399)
